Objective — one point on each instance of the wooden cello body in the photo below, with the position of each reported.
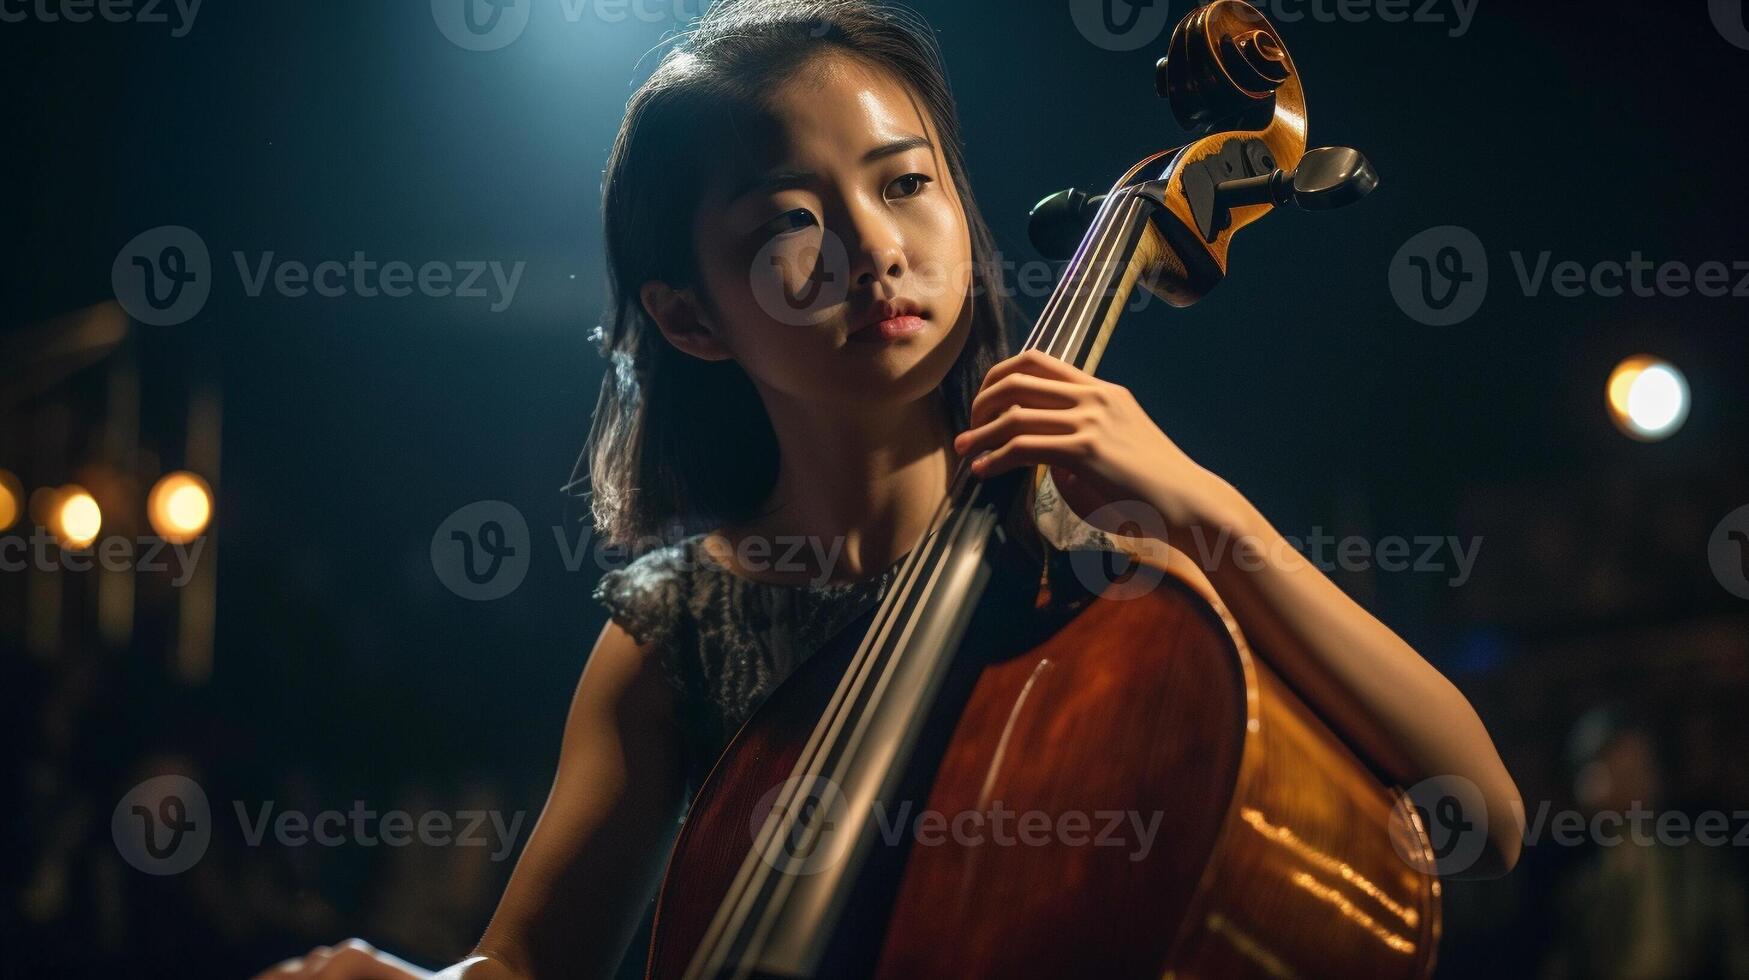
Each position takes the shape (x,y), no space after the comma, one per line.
(1272,855)
(998,773)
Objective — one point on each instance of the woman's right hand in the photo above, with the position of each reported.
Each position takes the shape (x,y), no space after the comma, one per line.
(353,959)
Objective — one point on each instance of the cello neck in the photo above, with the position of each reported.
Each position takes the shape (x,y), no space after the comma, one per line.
(1115,255)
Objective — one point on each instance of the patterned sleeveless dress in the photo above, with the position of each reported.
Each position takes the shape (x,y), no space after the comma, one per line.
(725,641)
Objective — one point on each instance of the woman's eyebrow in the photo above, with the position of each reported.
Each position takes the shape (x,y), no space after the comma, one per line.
(900,145)
(779,180)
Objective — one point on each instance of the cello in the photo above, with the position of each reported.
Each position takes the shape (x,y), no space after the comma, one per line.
(1021,764)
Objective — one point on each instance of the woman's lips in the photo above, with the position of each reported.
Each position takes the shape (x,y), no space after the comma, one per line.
(888,330)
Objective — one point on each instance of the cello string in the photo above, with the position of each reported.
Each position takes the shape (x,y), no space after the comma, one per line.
(881,669)
(750,883)
(1089,299)
(730,916)
(750,892)
(1079,267)
(1117,199)
(753,892)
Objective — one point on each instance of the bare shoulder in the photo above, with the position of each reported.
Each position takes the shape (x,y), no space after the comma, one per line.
(622,668)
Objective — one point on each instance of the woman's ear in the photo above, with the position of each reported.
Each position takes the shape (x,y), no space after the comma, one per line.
(682,320)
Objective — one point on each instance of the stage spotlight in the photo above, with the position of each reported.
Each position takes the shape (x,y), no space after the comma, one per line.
(11,499)
(76,518)
(179,506)
(1648,398)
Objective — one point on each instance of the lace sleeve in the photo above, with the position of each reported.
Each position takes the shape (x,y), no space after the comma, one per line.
(1059,525)
(645,597)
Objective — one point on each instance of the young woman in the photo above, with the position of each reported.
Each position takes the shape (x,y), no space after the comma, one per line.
(805,337)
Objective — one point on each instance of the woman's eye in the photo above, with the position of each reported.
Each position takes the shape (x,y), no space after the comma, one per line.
(788,221)
(910,184)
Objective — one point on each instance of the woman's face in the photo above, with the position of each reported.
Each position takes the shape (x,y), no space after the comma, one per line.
(836,213)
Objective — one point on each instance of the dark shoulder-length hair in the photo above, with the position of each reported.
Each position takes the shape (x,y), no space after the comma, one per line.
(679,444)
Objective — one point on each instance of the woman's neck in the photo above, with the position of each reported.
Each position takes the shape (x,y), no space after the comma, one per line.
(854,492)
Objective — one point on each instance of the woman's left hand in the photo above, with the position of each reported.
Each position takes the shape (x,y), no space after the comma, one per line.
(1102,448)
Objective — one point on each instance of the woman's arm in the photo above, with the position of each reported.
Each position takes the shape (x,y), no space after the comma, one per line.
(1362,678)
(595,856)
(1112,464)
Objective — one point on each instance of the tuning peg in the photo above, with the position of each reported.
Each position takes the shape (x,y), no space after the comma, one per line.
(1057,224)
(1327,178)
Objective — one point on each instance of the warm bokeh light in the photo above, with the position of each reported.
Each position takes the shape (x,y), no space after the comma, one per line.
(76,518)
(179,506)
(1648,398)
(11,499)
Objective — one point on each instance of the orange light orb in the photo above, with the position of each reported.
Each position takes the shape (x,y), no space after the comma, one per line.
(180,506)
(76,518)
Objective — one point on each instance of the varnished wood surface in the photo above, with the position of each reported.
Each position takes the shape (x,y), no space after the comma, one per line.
(1272,857)
(1135,708)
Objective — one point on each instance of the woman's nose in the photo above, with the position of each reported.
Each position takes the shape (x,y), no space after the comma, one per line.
(876,250)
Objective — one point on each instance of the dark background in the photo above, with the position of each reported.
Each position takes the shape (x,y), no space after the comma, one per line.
(343,669)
